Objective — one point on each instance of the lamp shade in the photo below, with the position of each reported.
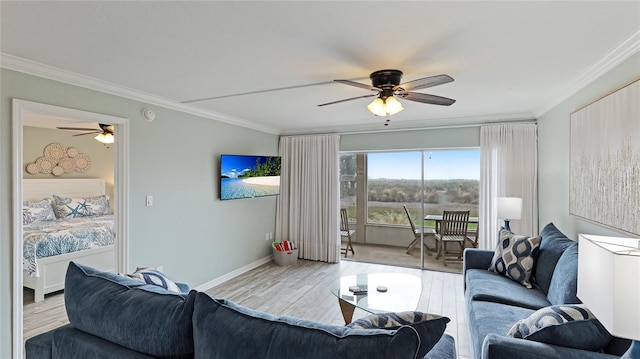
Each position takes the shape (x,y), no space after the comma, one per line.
(105,138)
(609,282)
(509,207)
(386,107)
(393,106)
(377,107)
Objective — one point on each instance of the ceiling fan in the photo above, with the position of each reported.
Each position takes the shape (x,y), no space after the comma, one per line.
(387,85)
(105,133)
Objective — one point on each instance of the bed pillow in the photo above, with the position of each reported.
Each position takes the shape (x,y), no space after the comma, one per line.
(37,211)
(155,277)
(567,325)
(514,256)
(67,207)
(430,327)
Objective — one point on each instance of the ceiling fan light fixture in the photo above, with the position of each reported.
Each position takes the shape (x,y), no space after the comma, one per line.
(393,105)
(105,138)
(389,106)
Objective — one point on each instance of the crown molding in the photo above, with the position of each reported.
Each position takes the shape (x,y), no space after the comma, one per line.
(625,49)
(432,124)
(19,64)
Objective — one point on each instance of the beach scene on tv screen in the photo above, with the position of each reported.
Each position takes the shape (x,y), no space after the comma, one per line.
(249,176)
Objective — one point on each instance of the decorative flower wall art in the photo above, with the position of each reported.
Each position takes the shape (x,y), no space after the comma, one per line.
(58,160)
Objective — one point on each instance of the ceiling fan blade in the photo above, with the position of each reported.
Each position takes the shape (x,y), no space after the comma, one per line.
(78,129)
(424,83)
(357,84)
(87,133)
(426,98)
(348,99)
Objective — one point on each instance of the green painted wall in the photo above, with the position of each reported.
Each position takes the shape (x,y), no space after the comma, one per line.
(553,151)
(194,235)
(455,137)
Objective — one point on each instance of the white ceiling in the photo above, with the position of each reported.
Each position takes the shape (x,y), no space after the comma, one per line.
(268,64)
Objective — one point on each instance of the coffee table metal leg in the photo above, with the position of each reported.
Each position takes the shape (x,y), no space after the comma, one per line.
(347,310)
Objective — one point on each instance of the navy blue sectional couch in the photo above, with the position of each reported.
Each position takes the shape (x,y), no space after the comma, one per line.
(112,316)
(494,303)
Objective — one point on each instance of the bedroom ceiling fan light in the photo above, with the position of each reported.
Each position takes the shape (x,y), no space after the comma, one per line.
(105,138)
(388,107)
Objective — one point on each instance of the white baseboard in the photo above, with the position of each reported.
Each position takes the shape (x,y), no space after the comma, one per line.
(217,281)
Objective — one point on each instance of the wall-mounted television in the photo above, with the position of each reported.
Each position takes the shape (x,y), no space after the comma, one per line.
(249,176)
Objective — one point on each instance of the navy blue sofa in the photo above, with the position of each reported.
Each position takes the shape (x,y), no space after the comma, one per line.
(112,316)
(494,303)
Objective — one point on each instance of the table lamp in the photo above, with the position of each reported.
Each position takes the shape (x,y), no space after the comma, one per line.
(609,285)
(509,208)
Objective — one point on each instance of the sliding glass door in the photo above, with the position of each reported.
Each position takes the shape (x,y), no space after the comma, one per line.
(375,187)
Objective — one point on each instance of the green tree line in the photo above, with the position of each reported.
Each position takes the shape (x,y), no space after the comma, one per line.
(270,168)
(463,191)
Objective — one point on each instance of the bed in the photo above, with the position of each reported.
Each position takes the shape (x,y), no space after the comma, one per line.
(81,230)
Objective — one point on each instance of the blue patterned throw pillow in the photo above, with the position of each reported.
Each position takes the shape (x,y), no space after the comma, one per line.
(515,256)
(155,277)
(430,327)
(568,325)
(65,207)
(37,211)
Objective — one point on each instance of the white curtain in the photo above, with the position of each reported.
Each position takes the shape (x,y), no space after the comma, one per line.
(307,209)
(508,168)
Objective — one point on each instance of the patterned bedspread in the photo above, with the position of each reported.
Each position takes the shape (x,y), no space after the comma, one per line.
(50,238)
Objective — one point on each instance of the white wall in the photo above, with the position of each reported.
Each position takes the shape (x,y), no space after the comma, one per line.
(188,230)
(553,152)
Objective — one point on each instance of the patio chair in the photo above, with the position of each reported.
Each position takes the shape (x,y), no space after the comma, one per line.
(453,230)
(417,232)
(346,232)
(472,237)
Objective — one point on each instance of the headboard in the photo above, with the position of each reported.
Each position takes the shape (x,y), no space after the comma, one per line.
(35,189)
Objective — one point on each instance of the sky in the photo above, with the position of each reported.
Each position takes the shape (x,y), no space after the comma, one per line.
(439,164)
(232,165)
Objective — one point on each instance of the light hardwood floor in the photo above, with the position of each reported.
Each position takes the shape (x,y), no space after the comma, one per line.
(301,291)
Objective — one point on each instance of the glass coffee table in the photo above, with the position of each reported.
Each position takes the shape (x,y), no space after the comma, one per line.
(402,293)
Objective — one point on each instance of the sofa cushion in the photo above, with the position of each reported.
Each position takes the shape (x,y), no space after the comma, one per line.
(140,317)
(223,330)
(552,246)
(69,342)
(563,288)
(493,287)
(39,346)
(514,256)
(430,327)
(571,326)
(445,348)
(485,318)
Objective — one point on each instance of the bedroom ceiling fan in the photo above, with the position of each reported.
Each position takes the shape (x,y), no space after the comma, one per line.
(386,84)
(105,133)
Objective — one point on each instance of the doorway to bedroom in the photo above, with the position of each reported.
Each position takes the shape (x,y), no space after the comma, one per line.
(74,164)
(71,173)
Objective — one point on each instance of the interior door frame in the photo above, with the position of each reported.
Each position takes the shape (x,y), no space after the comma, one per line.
(21,108)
